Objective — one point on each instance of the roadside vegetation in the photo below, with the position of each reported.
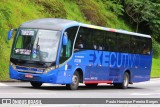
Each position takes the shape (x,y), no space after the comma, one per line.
(109,13)
(155,68)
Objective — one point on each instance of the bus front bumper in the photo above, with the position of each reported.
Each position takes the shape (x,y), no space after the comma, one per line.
(43,77)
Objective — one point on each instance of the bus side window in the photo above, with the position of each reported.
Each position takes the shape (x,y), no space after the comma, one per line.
(83,40)
(123,43)
(145,47)
(134,45)
(98,39)
(110,41)
(94,44)
(79,42)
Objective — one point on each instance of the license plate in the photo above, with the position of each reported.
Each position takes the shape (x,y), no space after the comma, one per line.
(28,76)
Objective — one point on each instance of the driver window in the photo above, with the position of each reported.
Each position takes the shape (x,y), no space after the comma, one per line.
(66,50)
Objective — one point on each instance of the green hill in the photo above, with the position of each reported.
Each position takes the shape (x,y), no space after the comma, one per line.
(15,12)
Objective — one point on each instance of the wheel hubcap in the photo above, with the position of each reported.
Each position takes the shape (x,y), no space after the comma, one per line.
(126,81)
(74,79)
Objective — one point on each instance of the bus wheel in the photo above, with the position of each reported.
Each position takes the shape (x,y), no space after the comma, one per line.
(125,82)
(75,82)
(91,85)
(36,84)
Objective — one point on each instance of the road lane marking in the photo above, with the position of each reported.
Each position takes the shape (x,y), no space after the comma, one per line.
(155,79)
(144,94)
(152,81)
(27,93)
(62,105)
(2,84)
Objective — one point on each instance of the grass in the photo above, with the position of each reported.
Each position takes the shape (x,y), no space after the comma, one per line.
(155,68)
(12,14)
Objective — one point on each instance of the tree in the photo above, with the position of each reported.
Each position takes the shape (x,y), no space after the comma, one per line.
(114,6)
(134,9)
(147,11)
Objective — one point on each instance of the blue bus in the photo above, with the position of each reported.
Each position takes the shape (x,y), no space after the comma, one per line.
(60,51)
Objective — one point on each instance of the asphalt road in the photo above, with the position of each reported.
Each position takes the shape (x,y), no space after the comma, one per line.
(149,89)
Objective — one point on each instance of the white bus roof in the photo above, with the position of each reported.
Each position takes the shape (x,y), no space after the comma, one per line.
(49,23)
(60,24)
(115,30)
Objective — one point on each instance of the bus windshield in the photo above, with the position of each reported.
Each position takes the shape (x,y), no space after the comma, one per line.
(36,45)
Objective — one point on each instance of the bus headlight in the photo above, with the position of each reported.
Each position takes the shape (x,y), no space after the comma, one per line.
(49,69)
(13,65)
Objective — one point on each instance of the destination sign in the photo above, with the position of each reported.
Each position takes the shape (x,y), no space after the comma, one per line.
(27,32)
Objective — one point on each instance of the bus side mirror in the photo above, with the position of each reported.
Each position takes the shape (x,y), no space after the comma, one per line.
(10,33)
(65,40)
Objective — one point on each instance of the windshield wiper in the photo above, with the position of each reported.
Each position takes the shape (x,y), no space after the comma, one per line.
(37,45)
(39,53)
(38,49)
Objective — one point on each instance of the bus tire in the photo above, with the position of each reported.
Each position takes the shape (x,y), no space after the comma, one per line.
(91,85)
(36,84)
(125,82)
(75,82)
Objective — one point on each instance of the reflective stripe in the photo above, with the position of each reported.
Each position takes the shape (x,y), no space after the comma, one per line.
(97,81)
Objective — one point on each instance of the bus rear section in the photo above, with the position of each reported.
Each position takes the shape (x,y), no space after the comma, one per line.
(113,56)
